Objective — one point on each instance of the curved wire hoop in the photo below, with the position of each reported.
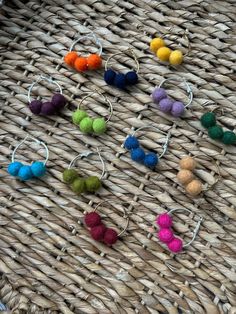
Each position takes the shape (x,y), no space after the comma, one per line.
(122,52)
(90,36)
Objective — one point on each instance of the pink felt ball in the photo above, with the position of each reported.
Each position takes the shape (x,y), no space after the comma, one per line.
(175,245)
(164,221)
(165,235)
(165,104)
(158,94)
(177,109)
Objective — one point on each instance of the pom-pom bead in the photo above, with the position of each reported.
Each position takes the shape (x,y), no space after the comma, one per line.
(187,163)
(137,154)
(47,109)
(164,221)
(120,81)
(25,173)
(131,142)
(158,94)
(14,167)
(58,101)
(78,116)
(156,43)
(229,138)
(70,58)
(69,175)
(165,235)
(216,132)
(131,78)
(78,186)
(110,237)
(165,105)
(99,126)
(86,125)
(92,183)
(176,57)
(194,188)
(92,219)
(109,76)
(150,160)
(35,106)
(208,120)
(98,232)
(177,109)
(185,176)
(38,169)
(94,62)
(80,64)
(163,53)
(176,245)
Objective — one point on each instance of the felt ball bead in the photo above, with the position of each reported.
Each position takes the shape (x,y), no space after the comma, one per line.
(58,101)
(131,142)
(14,167)
(194,188)
(94,62)
(110,236)
(109,76)
(176,57)
(78,186)
(177,109)
(25,173)
(86,125)
(158,94)
(163,53)
(80,64)
(99,126)
(187,163)
(35,106)
(47,109)
(93,183)
(150,160)
(120,81)
(69,175)
(208,119)
(131,78)
(137,154)
(156,43)
(185,176)
(78,116)
(215,132)
(165,105)
(98,232)
(70,58)
(165,235)
(92,219)
(176,245)
(38,169)
(229,138)
(164,220)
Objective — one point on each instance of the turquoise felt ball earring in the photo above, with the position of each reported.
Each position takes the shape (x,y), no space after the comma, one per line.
(26,172)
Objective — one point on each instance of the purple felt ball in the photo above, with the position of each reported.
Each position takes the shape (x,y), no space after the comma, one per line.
(35,106)
(58,101)
(165,104)
(158,94)
(47,109)
(177,109)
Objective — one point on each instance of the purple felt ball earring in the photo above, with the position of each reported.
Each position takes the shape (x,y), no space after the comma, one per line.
(166,104)
(46,108)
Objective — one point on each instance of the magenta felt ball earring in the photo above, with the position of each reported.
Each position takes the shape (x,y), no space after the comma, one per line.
(166,104)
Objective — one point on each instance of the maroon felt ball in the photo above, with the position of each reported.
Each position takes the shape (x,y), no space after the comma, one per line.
(47,109)
(92,219)
(98,232)
(35,106)
(58,101)
(110,236)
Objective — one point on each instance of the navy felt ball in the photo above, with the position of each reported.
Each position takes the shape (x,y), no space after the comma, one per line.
(138,154)
(150,160)
(25,173)
(14,168)
(131,142)
(120,81)
(109,76)
(131,78)
(38,168)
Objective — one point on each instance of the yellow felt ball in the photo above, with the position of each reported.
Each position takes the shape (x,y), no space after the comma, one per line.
(194,188)
(163,53)
(156,43)
(176,57)
(187,163)
(185,176)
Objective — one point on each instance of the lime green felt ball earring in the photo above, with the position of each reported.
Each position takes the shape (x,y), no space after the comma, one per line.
(87,124)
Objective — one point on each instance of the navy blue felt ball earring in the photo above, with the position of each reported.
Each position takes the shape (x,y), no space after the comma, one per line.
(137,153)
(121,80)
(26,172)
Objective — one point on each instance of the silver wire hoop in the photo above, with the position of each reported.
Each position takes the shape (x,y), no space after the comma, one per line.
(36,141)
(87,154)
(90,36)
(122,52)
(126,216)
(188,88)
(165,145)
(104,97)
(43,78)
(195,230)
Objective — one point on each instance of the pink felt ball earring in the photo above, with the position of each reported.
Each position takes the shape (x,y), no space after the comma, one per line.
(166,235)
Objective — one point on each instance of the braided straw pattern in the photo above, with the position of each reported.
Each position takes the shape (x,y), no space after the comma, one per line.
(48,262)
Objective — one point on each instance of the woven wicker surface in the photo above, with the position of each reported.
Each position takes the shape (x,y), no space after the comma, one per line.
(48,262)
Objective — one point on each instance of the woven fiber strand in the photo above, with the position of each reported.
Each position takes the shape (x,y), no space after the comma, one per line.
(48,262)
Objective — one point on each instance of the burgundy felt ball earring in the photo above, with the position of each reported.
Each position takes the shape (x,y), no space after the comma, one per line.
(46,108)
(168,105)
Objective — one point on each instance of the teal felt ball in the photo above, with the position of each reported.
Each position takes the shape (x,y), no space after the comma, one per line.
(38,169)
(25,173)
(215,132)
(208,120)
(229,138)
(14,168)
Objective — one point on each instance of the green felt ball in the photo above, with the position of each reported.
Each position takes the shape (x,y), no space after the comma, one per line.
(99,126)
(78,116)
(86,125)
(229,138)
(78,186)
(208,120)
(215,132)
(69,175)
(93,183)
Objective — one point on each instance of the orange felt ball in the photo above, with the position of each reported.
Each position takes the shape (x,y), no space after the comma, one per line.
(94,62)
(187,163)
(185,176)
(70,58)
(81,64)
(194,188)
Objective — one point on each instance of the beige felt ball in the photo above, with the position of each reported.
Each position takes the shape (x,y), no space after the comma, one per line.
(187,163)
(185,176)
(194,188)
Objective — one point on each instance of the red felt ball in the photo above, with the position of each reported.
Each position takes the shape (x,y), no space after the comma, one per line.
(92,219)
(98,232)
(110,236)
